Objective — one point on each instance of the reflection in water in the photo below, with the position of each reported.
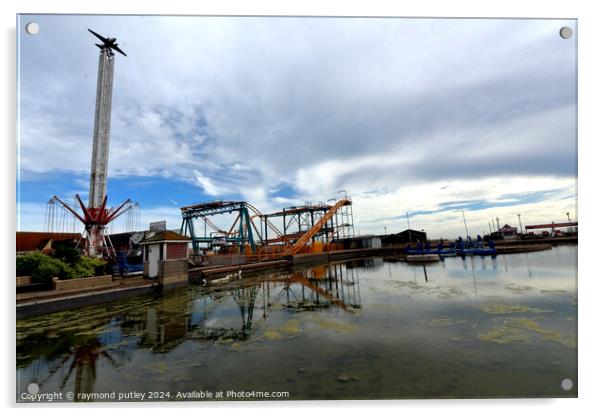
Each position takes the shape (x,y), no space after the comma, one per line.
(397,337)
(474,277)
(202,318)
(84,363)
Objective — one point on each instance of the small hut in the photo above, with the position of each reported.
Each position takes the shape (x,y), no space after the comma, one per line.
(165,257)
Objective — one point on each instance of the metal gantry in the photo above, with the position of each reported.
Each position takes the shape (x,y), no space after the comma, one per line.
(240,233)
(298,220)
(300,225)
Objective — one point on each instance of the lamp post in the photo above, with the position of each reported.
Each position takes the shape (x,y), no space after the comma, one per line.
(569,220)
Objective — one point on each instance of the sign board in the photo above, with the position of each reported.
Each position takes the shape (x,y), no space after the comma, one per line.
(219,241)
(158,226)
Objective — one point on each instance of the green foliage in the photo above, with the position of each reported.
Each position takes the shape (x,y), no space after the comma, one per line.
(40,267)
(88,266)
(43,268)
(28,263)
(66,253)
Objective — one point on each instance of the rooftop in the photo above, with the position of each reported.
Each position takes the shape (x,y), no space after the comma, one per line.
(167,235)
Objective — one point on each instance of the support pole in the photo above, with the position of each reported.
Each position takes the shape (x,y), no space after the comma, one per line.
(465,226)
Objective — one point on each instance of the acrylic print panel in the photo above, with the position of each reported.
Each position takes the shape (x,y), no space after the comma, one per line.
(295,208)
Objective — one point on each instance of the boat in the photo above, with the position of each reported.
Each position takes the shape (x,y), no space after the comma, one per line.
(422,258)
(484,251)
(465,252)
(477,251)
(439,251)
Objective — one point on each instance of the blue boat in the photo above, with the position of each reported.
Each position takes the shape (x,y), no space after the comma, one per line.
(440,251)
(476,249)
(484,251)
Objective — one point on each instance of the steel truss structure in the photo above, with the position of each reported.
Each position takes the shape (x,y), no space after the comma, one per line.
(296,221)
(239,234)
(300,225)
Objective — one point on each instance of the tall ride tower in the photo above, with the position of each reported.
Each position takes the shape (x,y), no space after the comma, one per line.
(102,126)
(96,216)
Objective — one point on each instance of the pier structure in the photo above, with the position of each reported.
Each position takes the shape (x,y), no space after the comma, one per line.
(96,215)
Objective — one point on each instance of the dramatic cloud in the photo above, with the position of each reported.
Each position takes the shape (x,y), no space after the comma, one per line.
(403,114)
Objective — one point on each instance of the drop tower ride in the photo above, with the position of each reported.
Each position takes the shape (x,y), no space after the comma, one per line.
(96,216)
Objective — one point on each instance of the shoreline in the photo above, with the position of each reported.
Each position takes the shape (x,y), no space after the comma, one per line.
(36,303)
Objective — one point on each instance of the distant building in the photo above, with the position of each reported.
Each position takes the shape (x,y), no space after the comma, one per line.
(508,232)
(364,241)
(403,238)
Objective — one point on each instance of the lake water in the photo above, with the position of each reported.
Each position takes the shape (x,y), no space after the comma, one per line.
(366,329)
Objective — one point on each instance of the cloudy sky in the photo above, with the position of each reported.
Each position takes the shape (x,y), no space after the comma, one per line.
(418,116)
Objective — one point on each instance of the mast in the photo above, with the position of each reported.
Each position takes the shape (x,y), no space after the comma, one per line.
(465,226)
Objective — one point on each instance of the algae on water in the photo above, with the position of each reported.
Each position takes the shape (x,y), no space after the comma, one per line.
(505,335)
(292,327)
(514,288)
(444,321)
(500,308)
(335,326)
(520,331)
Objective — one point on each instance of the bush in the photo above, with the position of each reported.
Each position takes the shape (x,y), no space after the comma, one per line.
(40,267)
(43,268)
(27,263)
(66,253)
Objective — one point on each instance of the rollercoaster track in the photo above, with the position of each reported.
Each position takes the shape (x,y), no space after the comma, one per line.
(215,227)
(257,213)
(272,226)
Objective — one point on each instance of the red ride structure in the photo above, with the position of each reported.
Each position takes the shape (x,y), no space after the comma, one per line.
(95,221)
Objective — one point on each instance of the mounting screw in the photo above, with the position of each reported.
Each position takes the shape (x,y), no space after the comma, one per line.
(566,32)
(32,28)
(566,384)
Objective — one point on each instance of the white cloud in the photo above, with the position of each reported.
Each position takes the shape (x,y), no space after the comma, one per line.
(207,184)
(388,109)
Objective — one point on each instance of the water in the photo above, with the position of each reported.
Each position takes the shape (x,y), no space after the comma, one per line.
(479,327)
